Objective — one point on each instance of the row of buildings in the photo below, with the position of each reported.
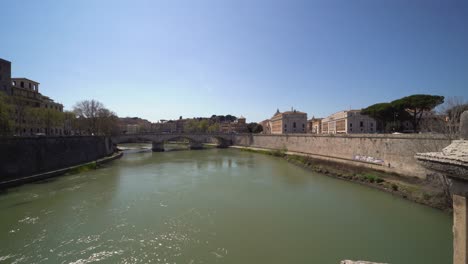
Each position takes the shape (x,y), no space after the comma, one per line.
(343,122)
(182,125)
(24,93)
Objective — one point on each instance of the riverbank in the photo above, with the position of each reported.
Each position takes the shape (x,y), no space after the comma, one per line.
(68,170)
(410,188)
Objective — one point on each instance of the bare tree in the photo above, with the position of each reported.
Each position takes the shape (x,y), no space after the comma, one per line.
(446,120)
(93,118)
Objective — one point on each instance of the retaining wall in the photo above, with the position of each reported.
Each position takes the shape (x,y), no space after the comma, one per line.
(21,157)
(391,153)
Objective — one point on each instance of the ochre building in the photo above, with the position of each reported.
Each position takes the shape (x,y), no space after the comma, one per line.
(348,122)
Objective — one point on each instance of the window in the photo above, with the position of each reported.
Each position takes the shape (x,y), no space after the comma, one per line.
(294,125)
(361,124)
(372,124)
(22,84)
(13,83)
(303,126)
(350,124)
(30,86)
(285,126)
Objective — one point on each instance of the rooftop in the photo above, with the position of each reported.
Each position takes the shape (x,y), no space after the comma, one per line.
(23,79)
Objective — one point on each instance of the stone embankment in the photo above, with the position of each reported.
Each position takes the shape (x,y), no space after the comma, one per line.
(26,159)
(50,174)
(389,153)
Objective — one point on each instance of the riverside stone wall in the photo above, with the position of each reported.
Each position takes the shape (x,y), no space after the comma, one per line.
(391,153)
(21,156)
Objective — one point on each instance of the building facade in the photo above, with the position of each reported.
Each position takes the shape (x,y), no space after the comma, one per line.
(314,126)
(237,126)
(25,97)
(266,126)
(348,122)
(286,122)
(5,76)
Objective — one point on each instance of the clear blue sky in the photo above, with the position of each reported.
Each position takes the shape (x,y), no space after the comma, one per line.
(163,59)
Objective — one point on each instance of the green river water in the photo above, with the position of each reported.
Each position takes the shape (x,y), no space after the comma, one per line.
(214,206)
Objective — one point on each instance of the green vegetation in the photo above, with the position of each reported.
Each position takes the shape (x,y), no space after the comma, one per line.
(47,118)
(213,128)
(416,105)
(390,116)
(83,168)
(371,178)
(394,187)
(222,118)
(276,153)
(254,127)
(6,124)
(200,126)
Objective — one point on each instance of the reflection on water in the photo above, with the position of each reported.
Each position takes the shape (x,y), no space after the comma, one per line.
(213,206)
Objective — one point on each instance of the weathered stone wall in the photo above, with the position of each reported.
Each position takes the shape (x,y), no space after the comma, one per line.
(392,153)
(27,156)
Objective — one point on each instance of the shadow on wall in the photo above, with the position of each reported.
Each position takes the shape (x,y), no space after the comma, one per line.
(21,157)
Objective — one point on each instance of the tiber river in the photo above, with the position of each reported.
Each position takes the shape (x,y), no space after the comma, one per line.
(214,206)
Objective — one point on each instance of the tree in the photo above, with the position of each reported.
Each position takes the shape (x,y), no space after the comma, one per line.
(107,122)
(93,118)
(69,122)
(221,118)
(6,124)
(416,105)
(213,128)
(230,118)
(47,118)
(191,126)
(447,119)
(382,113)
(388,117)
(51,118)
(254,127)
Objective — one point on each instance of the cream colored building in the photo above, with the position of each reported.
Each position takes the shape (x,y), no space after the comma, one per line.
(348,122)
(288,122)
(314,125)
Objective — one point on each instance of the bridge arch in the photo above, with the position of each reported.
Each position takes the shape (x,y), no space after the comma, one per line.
(195,140)
(193,143)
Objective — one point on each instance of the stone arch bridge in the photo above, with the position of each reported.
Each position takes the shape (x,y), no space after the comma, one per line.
(195,140)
